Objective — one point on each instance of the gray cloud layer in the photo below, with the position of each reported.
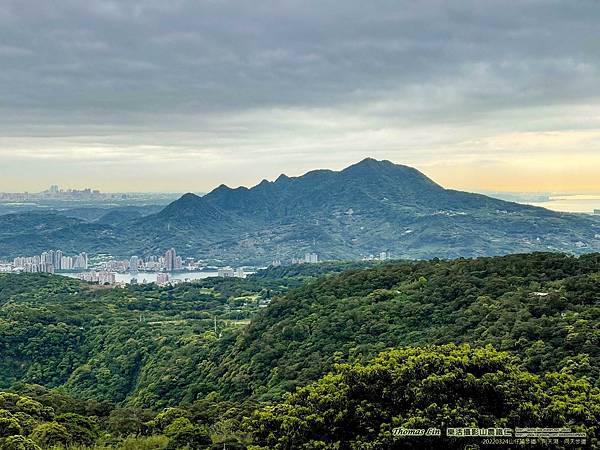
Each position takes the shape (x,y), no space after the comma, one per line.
(289,82)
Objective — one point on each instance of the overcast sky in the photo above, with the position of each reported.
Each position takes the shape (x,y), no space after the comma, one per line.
(177,95)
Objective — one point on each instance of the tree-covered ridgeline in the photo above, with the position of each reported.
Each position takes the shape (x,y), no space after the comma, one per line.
(212,352)
(543,307)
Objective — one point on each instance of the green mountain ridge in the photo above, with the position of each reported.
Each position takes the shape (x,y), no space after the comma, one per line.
(366,208)
(150,345)
(543,307)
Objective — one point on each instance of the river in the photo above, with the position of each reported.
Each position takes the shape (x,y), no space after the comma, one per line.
(150,277)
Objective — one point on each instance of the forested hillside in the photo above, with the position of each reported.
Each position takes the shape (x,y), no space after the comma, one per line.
(216,351)
(543,307)
(356,407)
(142,344)
(368,207)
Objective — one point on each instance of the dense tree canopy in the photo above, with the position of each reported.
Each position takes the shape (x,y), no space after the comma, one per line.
(153,367)
(543,307)
(358,406)
(143,343)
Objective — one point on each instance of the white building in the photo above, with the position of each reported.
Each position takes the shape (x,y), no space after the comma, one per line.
(230,272)
(98,277)
(81,261)
(311,258)
(226,272)
(384,256)
(66,263)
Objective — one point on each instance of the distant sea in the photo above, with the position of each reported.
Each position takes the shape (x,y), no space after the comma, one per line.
(575,203)
(580,203)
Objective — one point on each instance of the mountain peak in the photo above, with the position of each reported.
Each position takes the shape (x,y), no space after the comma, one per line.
(189,196)
(372,162)
(222,188)
(264,182)
(186,201)
(373,165)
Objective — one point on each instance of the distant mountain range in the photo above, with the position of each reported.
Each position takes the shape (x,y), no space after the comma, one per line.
(366,208)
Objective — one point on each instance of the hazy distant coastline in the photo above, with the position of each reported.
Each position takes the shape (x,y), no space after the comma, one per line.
(574,203)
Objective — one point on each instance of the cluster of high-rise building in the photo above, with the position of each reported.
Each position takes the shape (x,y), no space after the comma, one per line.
(169,262)
(50,261)
(55,193)
(383,256)
(55,260)
(309,258)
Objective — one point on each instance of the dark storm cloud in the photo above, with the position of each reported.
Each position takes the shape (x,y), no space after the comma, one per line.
(225,75)
(158,57)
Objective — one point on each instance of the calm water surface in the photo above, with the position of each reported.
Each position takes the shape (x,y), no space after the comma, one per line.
(572,203)
(150,277)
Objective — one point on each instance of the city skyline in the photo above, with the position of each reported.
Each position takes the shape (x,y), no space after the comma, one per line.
(93,191)
(164,268)
(184,96)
